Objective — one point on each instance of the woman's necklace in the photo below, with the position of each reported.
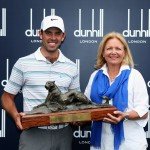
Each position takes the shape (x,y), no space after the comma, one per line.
(112,78)
(112,74)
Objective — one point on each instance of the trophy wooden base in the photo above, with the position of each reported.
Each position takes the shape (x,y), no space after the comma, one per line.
(35,120)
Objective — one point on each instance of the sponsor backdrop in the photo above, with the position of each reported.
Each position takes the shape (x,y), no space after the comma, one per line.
(86,22)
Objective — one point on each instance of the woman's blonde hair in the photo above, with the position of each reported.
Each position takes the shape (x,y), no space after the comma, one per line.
(128,60)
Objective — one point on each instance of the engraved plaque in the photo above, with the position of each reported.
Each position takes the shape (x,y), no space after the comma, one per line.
(70,118)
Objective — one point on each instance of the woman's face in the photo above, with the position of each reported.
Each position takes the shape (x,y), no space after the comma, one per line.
(114,52)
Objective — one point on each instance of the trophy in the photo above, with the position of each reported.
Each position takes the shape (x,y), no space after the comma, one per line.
(59,108)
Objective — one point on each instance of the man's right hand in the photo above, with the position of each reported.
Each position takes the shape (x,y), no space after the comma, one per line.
(18,120)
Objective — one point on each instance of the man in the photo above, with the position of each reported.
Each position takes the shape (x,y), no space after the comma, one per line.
(30,74)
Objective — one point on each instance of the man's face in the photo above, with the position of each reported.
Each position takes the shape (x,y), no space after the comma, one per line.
(52,38)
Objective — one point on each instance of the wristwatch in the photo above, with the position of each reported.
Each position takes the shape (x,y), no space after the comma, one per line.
(126,116)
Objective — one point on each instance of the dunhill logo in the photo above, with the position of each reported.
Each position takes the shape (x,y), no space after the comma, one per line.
(35,32)
(3,30)
(31,32)
(4,82)
(91,32)
(3,113)
(3,123)
(81,134)
(137,33)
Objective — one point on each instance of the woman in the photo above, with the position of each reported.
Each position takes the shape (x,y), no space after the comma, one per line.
(116,79)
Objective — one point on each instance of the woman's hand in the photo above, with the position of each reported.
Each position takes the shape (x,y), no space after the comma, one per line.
(116,118)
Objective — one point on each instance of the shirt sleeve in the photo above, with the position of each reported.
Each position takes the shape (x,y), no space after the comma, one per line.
(87,91)
(15,81)
(138,96)
(75,84)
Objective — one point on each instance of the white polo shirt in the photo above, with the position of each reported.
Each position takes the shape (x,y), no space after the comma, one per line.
(30,73)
